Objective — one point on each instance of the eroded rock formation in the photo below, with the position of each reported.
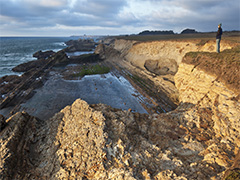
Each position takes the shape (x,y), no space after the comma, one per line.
(198,140)
(100,142)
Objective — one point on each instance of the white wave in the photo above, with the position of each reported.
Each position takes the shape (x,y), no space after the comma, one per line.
(78,53)
(60,43)
(27,58)
(56,50)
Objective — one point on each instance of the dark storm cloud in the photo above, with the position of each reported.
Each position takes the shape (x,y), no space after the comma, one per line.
(117,15)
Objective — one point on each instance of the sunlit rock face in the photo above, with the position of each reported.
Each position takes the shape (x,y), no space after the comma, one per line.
(100,142)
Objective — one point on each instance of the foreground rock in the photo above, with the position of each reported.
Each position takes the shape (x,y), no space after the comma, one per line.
(100,142)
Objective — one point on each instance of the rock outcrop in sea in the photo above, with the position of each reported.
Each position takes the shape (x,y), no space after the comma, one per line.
(198,137)
(80,45)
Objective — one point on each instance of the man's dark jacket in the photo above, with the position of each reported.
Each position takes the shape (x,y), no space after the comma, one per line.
(219,33)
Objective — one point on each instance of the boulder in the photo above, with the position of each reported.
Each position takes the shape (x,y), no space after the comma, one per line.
(161,66)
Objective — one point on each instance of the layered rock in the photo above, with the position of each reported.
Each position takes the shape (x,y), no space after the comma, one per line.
(138,52)
(16,89)
(211,93)
(211,90)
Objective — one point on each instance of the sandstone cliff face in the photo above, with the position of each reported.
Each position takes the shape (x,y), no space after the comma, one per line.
(155,61)
(206,91)
(138,52)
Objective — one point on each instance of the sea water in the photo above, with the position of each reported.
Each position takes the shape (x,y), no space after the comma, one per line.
(18,50)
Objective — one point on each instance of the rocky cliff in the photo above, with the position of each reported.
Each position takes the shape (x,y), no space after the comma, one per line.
(155,63)
(198,140)
(138,52)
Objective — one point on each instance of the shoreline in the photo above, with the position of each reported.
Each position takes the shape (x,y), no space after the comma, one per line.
(49,73)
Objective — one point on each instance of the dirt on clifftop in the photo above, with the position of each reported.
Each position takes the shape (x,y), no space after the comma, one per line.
(225,65)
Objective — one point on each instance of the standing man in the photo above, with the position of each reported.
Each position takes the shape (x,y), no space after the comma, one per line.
(218,37)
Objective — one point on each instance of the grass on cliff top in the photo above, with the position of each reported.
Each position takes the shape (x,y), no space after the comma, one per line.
(225,65)
(231,36)
(92,69)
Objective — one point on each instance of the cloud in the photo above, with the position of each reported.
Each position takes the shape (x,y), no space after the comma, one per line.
(100,8)
(114,16)
(203,15)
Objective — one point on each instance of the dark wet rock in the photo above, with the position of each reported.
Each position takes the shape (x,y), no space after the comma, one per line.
(8,83)
(162,66)
(43,55)
(29,65)
(80,45)
(85,58)
(60,58)
(17,89)
(57,58)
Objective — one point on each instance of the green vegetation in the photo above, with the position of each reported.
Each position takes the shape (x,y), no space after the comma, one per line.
(92,69)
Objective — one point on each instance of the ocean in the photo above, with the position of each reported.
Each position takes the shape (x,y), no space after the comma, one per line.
(18,50)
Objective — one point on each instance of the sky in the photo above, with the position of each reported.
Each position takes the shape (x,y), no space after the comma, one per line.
(114,17)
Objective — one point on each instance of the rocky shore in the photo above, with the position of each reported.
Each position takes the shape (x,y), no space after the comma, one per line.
(191,130)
